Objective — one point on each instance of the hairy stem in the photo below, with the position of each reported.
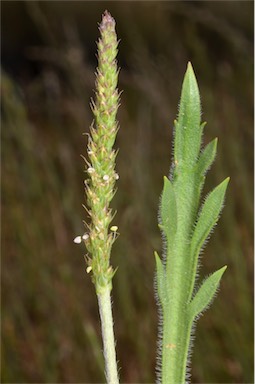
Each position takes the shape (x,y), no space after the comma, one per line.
(105,310)
(185,229)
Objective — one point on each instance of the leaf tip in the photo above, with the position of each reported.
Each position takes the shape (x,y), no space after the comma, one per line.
(190,73)
(224,183)
(189,66)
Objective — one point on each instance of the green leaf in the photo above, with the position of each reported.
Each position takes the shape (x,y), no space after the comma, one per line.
(204,162)
(188,131)
(207,157)
(205,293)
(168,211)
(160,278)
(208,217)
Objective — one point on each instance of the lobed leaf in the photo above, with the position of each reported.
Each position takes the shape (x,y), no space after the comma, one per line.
(204,162)
(208,217)
(168,210)
(207,157)
(205,293)
(160,278)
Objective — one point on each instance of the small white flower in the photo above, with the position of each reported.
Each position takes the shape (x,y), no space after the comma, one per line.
(105,177)
(114,228)
(90,170)
(77,240)
(85,236)
(88,269)
(116,176)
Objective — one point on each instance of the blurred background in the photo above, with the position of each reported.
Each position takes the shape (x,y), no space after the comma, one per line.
(50,324)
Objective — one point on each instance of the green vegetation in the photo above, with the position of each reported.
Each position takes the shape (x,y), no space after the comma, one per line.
(100,186)
(49,321)
(184,235)
(183,231)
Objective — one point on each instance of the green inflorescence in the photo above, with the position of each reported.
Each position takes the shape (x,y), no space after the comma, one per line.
(185,228)
(100,187)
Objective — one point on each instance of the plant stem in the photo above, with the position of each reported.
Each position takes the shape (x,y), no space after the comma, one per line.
(100,185)
(105,310)
(174,366)
(185,229)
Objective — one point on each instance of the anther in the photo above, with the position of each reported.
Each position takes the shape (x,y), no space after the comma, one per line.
(77,240)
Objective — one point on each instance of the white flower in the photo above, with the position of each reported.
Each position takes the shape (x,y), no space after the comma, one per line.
(77,240)
(116,176)
(105,177)
(114,228)
(88,269)
(85,236)
(90,170)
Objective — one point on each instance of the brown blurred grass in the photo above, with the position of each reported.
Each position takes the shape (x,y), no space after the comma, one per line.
(50,325)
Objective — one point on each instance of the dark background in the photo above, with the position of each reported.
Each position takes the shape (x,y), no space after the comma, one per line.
(50,325)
